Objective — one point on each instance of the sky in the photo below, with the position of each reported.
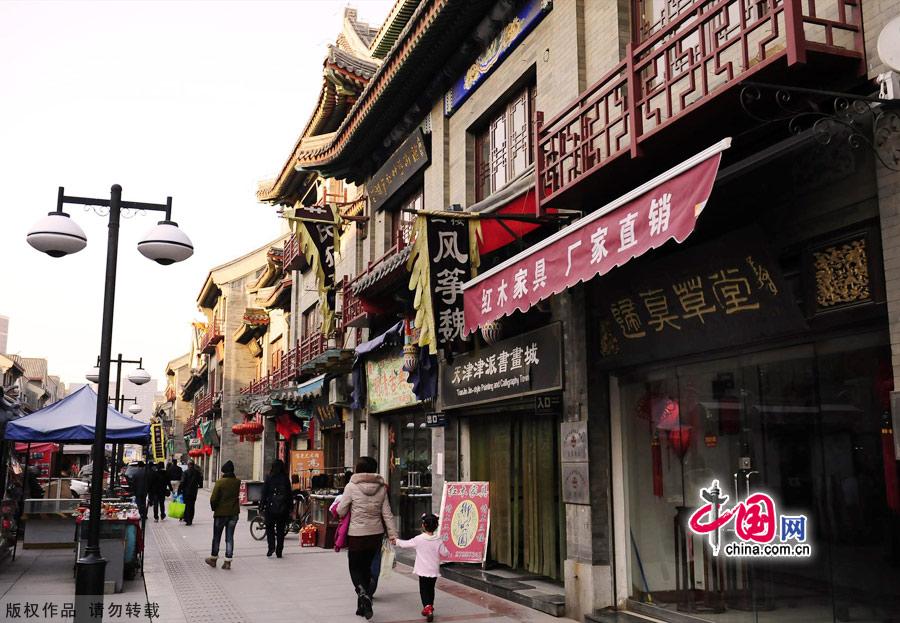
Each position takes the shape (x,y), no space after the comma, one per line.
(194,100)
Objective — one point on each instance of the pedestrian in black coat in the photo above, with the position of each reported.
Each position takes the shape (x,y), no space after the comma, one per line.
(190,484)
(140,487)
(160,488)
(175,473)
(276,502)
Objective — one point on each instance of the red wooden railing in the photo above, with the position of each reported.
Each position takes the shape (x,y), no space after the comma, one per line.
(707,48)
(292,361)
(204,404)
(212,337)
(352,308)
(292,253)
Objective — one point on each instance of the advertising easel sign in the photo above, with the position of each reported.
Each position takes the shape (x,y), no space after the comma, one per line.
(465,521)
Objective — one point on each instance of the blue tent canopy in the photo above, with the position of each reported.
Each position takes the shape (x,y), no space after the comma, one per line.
(71,420)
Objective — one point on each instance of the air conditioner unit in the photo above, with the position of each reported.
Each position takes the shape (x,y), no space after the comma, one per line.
(340,390)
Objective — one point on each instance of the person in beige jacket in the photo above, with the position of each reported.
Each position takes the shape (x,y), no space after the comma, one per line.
(365,498)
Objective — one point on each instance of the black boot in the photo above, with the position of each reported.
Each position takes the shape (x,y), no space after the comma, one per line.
(363,603)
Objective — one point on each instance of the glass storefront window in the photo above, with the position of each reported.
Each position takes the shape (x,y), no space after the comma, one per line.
(801,424)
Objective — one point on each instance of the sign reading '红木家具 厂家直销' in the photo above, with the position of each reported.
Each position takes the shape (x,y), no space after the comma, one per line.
(526,364)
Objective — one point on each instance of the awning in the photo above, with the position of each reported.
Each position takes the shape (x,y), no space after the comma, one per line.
(304,391)
(664,208)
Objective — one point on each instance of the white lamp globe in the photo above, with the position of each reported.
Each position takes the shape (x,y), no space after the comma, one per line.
(139,376)
(93,375)
(57,235)
(166,244)
(135,409)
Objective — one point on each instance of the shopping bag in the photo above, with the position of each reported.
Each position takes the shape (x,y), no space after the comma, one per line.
(176,507)
(387,559)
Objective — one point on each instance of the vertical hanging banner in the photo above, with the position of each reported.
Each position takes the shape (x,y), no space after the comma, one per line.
(448,244)
(315,226)
(465,521)
(442,260)
(157,443)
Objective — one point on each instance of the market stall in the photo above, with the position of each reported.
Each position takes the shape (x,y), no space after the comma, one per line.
(52,522)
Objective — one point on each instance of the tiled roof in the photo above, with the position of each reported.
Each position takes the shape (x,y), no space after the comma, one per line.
(396,21)
(433,49)
(364,68)
(35,367)
(388,266)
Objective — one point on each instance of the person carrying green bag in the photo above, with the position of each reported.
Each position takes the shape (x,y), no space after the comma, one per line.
(176,507)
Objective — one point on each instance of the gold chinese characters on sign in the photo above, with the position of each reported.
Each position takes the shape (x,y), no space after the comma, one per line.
(842,274)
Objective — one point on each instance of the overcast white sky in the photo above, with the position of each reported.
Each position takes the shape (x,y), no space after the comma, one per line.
(197,100)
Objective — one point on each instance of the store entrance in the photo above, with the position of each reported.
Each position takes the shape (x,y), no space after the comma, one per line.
(802,425)
(409,469)
(518,453)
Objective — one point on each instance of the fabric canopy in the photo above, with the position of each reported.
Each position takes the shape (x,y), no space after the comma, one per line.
(663,209)
(71,420)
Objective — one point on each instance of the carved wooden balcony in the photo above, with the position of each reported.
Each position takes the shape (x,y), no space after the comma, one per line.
(292,256)
(683,64)
(212,337)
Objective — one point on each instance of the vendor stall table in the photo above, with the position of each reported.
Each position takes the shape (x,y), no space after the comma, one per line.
(322,519)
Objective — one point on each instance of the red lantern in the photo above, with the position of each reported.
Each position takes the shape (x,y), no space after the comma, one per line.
(254,428)
(680,440)
(207,450)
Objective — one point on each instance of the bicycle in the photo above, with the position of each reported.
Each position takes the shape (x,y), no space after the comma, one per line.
(301,515)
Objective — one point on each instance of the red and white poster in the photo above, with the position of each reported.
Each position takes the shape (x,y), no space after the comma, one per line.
(465,521)
(663,209)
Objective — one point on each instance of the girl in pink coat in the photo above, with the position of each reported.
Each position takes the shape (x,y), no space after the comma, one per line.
(428,561)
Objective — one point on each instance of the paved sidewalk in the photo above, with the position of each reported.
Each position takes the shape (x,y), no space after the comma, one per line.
(307,585)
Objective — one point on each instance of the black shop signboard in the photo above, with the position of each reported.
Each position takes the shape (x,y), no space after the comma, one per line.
(721,294)
(409,158)
(527,364)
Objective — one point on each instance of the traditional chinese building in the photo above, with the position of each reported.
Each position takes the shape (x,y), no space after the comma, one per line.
(649,249)
(221,362)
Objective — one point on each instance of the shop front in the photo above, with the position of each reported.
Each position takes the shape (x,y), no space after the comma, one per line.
(750,379)
(506,397)
(406,440)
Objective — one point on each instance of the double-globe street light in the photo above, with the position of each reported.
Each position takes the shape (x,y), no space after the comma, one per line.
(138,377)
(58,235)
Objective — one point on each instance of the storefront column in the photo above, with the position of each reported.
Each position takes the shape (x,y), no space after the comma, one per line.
(438,468)
(588,571)
(889,207)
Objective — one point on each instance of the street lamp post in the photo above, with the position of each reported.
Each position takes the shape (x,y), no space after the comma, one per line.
(57,235)
(138,377)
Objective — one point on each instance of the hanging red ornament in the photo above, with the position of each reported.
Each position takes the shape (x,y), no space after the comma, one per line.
(680,440)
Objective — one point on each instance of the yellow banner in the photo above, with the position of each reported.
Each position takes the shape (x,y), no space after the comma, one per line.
(157,443)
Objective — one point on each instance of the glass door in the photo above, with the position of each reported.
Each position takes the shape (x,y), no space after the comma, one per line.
(409,441)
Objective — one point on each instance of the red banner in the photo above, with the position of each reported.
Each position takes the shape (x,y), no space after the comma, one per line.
(465,521)
(667,207)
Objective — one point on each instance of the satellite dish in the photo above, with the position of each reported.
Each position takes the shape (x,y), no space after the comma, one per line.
(889,44)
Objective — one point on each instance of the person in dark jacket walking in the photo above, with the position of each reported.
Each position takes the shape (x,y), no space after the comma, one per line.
(276,503)
(140,486)
(190,484)
(226,508)
(175,473)
(160,488)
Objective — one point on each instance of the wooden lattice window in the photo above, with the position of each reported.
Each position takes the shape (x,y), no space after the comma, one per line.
(403,220)
(503,148)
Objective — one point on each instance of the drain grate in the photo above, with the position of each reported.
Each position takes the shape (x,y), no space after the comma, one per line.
(201,598)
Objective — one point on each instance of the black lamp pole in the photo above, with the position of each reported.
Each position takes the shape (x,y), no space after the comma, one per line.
(118,449)
(90,570)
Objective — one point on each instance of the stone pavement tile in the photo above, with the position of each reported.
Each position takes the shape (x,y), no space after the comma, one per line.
(307,585)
